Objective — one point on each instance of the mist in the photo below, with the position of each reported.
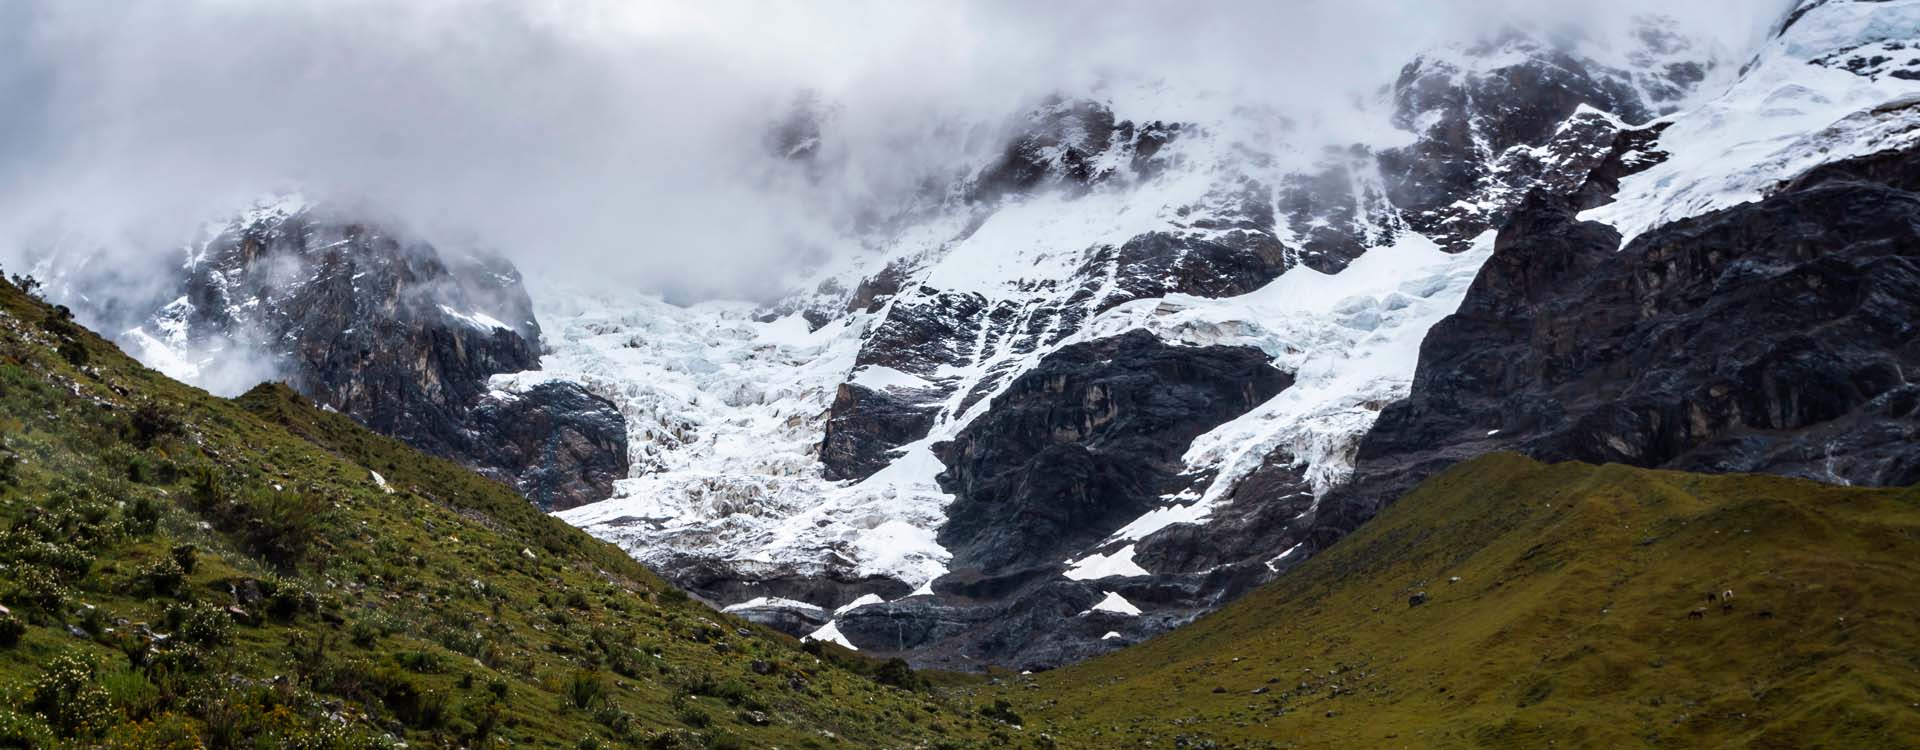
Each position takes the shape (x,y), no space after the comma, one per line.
(625,143)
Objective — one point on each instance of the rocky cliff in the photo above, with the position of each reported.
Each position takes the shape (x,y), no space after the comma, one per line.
(393,333)
(1770,337)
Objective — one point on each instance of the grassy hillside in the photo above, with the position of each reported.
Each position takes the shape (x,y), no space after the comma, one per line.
(1558,613)
(184,571)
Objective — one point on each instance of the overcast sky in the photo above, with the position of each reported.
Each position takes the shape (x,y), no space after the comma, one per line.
(622,138)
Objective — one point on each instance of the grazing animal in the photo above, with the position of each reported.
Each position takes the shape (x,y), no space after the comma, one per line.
(1765,614)
(1726,595)
(1698,613)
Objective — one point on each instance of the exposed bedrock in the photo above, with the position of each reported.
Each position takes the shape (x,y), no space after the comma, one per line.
(1780,336)
(1085,442)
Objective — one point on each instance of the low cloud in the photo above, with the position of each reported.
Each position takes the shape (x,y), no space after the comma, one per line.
(624,142)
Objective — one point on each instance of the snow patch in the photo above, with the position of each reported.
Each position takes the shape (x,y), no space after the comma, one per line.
(1114,603)
(1097,566)
(830,633)
(864,600)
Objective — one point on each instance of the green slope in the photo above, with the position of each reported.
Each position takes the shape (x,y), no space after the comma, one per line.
(323,610)
(1569,626)
(185,571)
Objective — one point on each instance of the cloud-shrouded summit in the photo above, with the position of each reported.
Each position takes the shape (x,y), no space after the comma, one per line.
(629,142)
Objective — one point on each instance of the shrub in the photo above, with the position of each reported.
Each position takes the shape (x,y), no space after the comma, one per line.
(186,556)
(162,576)
(898,673)
(142,516)
(619,721)
(286,599)
(74,353)
(1001,711)
(588,688)
(199,624)
(364,634)
(151,422)
(27,284)
(24,731)
(69,699)
(423,662)
(282,526)
(692,715)
(38,589)
(11,629)
(411,703)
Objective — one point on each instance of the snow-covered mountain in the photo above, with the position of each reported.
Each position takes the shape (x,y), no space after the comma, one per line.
(1100,380)
(961,446)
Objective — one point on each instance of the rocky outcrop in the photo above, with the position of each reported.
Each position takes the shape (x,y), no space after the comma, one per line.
(1086,442)
(1538,118)
(863,428)
(559,444)
(1776,336)
(400,337)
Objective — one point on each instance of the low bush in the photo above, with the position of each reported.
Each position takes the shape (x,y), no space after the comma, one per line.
(69,698)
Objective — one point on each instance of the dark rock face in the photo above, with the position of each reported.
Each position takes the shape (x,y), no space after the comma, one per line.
(1049,472)
(1487,138)
(1769,337)
(1086,442)
(1071,451)
(1157,264)
(1257,522)
(1051,624)
(1338,211)
(402,339)
(366,324)
(863,428)
(561,445)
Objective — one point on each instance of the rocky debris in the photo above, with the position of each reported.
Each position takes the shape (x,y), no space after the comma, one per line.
(1768,337)
(1086,442)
